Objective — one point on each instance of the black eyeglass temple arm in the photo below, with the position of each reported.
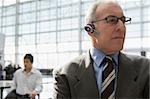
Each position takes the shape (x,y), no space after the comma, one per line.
(128,19)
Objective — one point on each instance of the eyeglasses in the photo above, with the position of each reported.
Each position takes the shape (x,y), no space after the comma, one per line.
(114,19)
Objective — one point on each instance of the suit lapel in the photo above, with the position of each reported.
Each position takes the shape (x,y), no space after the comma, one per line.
(126,76)
(86,85)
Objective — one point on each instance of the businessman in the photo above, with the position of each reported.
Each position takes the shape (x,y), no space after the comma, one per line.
(27,82)
(104,72)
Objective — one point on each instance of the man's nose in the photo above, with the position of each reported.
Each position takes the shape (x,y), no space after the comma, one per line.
(120,24)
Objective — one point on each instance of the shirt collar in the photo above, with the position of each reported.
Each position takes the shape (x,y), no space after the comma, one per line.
(32,70)
(98,56)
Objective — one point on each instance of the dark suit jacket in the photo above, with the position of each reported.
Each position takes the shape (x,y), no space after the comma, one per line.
(77,80)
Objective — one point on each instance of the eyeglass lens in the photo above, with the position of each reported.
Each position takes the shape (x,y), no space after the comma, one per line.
(114,19)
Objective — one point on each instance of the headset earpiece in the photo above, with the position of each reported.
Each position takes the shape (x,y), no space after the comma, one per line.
(90,28)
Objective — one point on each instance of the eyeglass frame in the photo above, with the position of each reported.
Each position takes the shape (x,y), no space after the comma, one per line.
(126,19)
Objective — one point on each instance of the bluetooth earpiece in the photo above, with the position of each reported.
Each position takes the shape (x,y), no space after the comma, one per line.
(90,28)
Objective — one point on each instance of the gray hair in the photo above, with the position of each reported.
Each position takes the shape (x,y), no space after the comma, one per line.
(91,15)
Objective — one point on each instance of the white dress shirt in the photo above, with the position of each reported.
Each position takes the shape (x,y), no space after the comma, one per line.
(25,83)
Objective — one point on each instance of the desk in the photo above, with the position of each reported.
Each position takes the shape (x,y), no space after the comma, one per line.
(4,84)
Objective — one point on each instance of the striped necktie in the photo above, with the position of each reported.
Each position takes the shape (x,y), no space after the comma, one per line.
(108,79)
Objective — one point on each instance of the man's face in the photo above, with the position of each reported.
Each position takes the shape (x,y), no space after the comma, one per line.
(27,64)
(111,37)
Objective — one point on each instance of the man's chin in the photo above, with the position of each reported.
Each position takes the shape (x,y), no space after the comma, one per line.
(116,50)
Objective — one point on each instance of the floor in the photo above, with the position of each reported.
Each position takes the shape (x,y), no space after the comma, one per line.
(47,88)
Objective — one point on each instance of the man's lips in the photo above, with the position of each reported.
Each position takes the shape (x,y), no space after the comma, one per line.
(118,37)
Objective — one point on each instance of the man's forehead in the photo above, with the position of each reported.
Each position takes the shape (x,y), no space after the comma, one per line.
(108,8)
(108,5)
(26,59)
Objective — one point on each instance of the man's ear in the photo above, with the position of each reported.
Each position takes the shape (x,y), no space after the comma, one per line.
(92,35)
(89,28)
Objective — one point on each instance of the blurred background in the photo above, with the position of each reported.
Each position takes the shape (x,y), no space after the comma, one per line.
(52,31)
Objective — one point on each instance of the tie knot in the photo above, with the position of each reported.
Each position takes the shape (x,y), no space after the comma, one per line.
(108,59)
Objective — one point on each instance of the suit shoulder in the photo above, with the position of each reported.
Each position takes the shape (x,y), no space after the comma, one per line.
(70,67)
(137,58)
(139,62)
